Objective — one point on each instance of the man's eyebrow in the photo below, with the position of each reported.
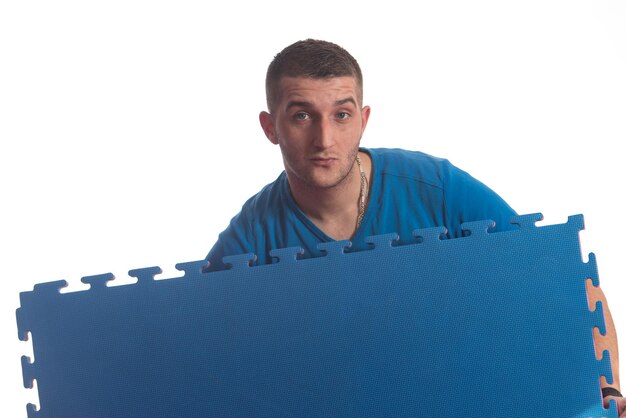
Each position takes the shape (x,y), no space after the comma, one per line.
(297,103)
(346,100)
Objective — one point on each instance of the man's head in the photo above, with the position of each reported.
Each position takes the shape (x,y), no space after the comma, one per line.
(311,59)
(316,114)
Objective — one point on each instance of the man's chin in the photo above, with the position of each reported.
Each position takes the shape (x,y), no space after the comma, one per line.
(320,180)
(325,183)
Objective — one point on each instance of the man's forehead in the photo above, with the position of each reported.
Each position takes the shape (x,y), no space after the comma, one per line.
(315,78)
(294,87)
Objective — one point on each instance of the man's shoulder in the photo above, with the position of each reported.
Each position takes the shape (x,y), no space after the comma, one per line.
(404,155)
(416,165)
(266,199)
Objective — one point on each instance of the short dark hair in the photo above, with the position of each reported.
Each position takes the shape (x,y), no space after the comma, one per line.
(314,59)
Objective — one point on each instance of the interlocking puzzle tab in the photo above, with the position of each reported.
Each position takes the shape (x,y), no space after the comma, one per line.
(488,325)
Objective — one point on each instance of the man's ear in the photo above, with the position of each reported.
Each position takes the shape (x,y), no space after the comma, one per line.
(365,116)
(267,123)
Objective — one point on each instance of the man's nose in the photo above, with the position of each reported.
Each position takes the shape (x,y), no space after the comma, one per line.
(324,133)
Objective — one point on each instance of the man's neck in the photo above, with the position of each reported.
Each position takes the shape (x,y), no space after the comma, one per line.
(335,210)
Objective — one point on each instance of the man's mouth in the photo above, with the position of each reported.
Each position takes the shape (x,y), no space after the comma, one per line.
(322,161)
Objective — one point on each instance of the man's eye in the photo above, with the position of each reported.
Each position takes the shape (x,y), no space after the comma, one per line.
(302,116)
(343,115)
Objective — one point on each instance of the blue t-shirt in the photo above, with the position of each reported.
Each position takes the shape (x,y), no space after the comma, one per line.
(409,190)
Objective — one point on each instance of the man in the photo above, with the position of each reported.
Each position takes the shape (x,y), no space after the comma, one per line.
(332,189)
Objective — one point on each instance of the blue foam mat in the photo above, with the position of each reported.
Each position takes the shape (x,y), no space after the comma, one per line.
(489,325)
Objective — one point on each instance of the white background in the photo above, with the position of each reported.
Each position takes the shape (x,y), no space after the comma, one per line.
(129,131)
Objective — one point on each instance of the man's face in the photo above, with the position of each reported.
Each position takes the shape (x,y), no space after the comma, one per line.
(318,124)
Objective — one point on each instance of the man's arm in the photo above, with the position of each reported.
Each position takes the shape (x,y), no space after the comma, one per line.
(607,342)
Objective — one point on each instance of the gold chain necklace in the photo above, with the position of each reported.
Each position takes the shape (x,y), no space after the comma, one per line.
(362,194)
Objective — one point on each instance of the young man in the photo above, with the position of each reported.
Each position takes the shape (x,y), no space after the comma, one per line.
(332,189)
